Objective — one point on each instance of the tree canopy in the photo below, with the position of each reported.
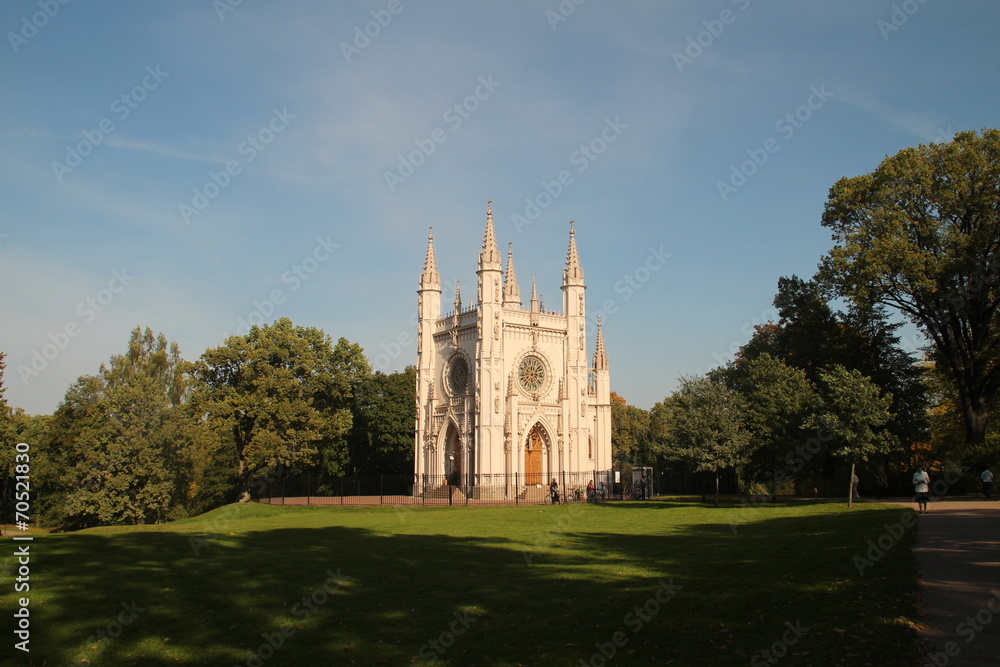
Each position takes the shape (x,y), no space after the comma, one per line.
(921,234)
(708,428)
(280,393)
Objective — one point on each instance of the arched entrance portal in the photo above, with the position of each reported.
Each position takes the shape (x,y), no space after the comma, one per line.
(533,456)
(452,455)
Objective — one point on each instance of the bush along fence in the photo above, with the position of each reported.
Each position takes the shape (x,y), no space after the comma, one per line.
(471,489)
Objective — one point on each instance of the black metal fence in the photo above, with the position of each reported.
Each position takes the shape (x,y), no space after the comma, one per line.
(496,489)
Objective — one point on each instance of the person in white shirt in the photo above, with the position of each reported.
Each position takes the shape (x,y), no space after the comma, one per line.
(921,486)
(987,478)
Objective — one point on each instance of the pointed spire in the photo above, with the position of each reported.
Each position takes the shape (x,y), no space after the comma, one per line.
(458,298)
(489,258)
(430,278)
(573,273)
(511,291)
(600,356)
(534,297)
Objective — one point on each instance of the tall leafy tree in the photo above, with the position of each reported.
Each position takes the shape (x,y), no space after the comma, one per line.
(382,435)
(811,336)
(6,443)
(922,234)
(630,436)
(854,413)
(947,438)
(108,456)
(707,428)
(779,400)
(280,394)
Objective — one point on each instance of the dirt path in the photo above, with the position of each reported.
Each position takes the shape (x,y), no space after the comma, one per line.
(958,556)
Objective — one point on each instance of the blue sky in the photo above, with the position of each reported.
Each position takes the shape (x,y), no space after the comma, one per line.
(184,167)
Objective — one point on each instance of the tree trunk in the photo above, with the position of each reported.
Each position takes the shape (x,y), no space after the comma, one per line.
(850,487)
(975,416)
(717,489)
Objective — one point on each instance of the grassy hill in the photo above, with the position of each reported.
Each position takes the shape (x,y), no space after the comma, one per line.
(641,583)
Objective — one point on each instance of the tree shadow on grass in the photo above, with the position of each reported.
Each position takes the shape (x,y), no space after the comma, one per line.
(556,595)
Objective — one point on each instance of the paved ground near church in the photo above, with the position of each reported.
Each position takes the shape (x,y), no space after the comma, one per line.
(958,556)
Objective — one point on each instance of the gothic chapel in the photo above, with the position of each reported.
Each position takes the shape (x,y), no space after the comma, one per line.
(505,393)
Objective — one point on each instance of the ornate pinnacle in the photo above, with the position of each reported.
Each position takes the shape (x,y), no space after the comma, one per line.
(511,290)
(573,273)
(600,355)
(489,258)
(430,278)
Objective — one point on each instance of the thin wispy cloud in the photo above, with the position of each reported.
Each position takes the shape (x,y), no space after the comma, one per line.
(258,196)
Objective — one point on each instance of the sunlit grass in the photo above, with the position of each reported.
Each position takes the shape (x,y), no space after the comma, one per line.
(517,585)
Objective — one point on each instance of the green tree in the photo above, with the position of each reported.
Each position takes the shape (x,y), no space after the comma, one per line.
(922,234)
(706,426)
(854,413)
(779,400)
(947,435)
(382,436)
(813,337)
(352,392)
(630,436)
(107,455)
(6,445)
(280,394)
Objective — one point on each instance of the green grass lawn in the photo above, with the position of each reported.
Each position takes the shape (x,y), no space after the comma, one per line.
(662,582)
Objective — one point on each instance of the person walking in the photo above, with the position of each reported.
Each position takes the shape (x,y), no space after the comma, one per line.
(921,487)
(882,484)
(987,478)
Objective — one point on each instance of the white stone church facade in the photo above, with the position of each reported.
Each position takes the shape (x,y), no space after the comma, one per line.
(506,394)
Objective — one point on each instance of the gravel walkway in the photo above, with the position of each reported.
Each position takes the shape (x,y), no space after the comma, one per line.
(958,556)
